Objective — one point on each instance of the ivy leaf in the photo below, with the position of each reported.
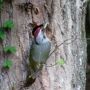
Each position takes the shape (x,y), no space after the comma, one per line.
(7,64)
(2,34)
(8,24)
(1,1)
(1,4)
(60,62)
(10,49)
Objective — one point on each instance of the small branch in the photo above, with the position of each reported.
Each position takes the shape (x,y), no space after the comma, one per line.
(57,48)
(62,44)
(52,65)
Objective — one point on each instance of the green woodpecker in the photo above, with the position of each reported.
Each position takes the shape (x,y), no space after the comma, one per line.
(39,53)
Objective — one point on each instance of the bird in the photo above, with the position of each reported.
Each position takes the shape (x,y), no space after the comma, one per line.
(39,53)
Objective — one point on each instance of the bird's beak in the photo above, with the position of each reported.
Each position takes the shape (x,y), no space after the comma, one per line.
(45,25)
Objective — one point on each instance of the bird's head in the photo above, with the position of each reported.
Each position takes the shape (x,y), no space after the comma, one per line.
(39,33)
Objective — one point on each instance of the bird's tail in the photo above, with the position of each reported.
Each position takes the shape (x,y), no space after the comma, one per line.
(32,74)
(29,80)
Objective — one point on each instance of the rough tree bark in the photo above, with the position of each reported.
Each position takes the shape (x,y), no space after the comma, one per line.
(66,20)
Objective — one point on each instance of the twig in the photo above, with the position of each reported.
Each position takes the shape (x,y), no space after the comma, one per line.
(62,44)
(51,65)
(57,48)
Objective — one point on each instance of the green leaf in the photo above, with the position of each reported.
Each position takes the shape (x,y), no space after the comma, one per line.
(2,34)
(7,63)
(60,62)
(10,49)
(1,4)
(1,1)
(8,24)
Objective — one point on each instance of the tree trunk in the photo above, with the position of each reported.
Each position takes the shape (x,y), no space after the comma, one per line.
(66,20)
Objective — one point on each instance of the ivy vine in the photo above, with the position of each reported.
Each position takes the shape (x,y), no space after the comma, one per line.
(7,25)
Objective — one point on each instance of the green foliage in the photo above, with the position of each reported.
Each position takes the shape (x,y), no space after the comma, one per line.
(1,1)
(10,49)
(9,24)
(1,4)
(60,62)
(2,34)
(7,64)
